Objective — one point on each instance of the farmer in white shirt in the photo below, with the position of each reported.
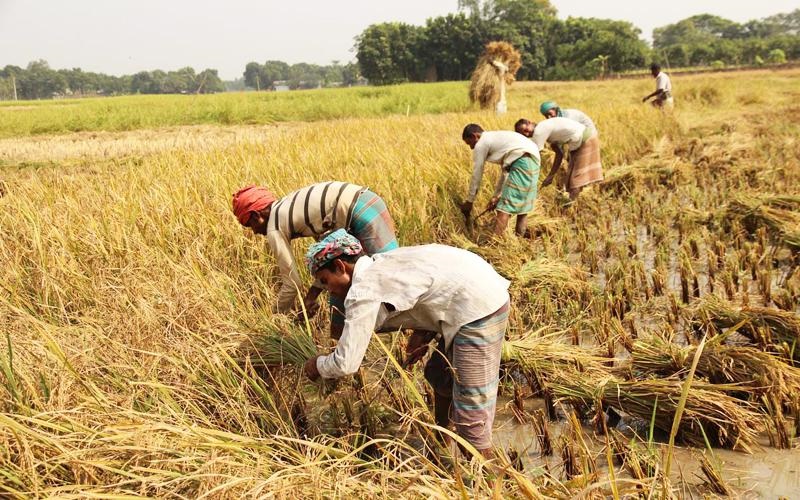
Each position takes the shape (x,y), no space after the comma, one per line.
(447,291)
(583,145)
(663,92)
(517,184)
(549,109)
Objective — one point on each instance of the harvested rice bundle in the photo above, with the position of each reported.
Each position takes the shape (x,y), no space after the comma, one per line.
(754,370)
(769,328)
(544,356)
(725,420)
(288,349)
(496,68)
(781,214)
(560,281)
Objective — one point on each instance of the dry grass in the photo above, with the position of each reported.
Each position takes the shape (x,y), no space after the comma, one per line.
(128,292)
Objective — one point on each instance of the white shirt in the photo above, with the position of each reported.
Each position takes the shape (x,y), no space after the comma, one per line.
(580,117)
(430,287)
(663,82)
(559,130)
(503,147)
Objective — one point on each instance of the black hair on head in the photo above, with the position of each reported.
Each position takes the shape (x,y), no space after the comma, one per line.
(472,128)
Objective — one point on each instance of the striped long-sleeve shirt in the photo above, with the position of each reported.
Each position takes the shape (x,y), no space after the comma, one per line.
(309,211)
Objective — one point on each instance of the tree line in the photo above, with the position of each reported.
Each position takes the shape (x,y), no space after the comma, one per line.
(446,47)
(39,81)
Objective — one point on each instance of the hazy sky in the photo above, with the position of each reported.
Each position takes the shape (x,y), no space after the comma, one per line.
(125,36)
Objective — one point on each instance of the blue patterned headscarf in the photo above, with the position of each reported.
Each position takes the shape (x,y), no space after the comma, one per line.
(330,248)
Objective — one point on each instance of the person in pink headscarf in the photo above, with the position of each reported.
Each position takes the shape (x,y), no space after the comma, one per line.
(314,211)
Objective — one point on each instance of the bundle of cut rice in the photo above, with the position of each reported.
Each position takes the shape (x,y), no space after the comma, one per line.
(485,83)
(769,328)
(725,420)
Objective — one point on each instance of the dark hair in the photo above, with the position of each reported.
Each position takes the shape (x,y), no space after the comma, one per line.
(520,123)
(655,67)
(472,128)
(345,258)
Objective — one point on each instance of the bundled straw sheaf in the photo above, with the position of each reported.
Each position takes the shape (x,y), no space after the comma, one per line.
(779,214)
(484,85)
(709,410)
(769,328)
(753,370)
(292,348)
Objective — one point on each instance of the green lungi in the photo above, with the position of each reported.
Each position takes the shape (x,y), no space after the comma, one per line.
(521,186)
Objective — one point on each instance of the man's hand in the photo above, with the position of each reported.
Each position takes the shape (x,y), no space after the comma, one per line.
(417,346)
(311,368)
(548,180)
(644,99)
(466,208)
(493,203)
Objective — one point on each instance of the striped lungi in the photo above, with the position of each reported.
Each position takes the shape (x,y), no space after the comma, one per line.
(475,360)
(372,224)
(584,164)
(521,186)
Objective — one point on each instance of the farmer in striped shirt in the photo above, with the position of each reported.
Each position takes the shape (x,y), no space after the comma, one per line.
(313,211)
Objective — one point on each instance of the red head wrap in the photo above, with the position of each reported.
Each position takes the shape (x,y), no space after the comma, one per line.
(251,199)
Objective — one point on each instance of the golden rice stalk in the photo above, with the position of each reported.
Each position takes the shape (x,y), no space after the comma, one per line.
(557,279)
(727,421)
(484,85)
(769,328)
(752,369)
(292,348)
(545,357)
(780,214)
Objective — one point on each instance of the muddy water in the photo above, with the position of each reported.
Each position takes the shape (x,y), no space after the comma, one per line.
(767,473)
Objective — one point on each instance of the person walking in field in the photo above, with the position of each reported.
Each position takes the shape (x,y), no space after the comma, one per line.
(517,184)
(439,291)
(663,93)
(313,211)
(549,109)
(582,143)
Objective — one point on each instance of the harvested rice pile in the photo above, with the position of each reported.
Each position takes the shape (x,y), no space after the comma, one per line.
(484,87)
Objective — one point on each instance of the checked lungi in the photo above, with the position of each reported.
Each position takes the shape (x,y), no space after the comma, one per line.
(521,186)
(584,164)
(372,224)
(470,374)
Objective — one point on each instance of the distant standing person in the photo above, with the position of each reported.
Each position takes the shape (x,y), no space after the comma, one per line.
(549,109)
(663,93)
(517,184)
(313,211)
(583,145)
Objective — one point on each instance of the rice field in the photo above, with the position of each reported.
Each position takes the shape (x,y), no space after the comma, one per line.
(653,342)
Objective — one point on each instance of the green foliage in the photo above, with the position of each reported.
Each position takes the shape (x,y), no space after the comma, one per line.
(702,39)
(389,53)
(152,111)
(589,48)
(776,56)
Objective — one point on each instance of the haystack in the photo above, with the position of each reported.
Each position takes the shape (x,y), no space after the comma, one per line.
(496,68)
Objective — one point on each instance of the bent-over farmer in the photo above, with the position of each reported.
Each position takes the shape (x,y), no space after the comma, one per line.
(584,165)
(313,211)
(549,109)
(448,292)
(663,93)
(517,184)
